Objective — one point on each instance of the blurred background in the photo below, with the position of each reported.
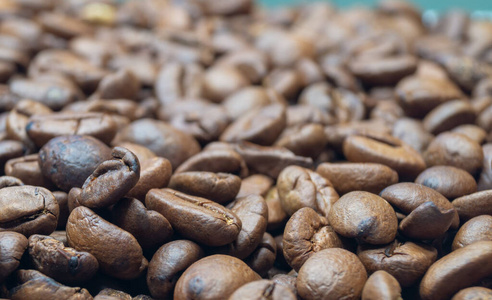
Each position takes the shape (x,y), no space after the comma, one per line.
(478,8)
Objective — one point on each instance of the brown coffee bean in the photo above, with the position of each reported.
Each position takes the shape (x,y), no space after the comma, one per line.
(116,250)
(447,275)
(60,235)
(451,182)
(269,161)
(253,213)
(262,289)
(219,187)
(35,285)
(305,234)
(381,285)
(252,62)
(161,138)
(428,213)
(61,263)
(154,173)
(122,84)
(364,216)
(149,227)
(338,133)
(216,161)
(384,70)
(43,128)
(167,265)
(67,161)
(255,185)
(406,261)
(298,115)
(62,200)
(276,214)
(12,247)
(263,258)
(28,210)
(473,205)
(331,274)
(63,25)
(472,131)
(454,149)
(448,116)
(413,133)
(219,82)
(111,180)
(112,294)
(10,149)
(196,218)
(27,169)
(248,99)
(475,230)
(308,140)
(261,126)
(485,180)
(176,81)
(348,177)
(299,187)
(6,181)
(472,293)
(386,150)
(214,277)
(420,94)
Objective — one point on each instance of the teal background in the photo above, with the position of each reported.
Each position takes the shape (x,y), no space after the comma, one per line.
(439,5)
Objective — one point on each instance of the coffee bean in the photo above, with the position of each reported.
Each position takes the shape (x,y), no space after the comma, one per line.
(476,292)
(476,229)
(12,247)
(196,218)
(471,260)
(276,214)
(177,81)
(451,182)
(6,181)
(473,205)
(262,289)
(317,276)
(263,258)
(213,277)
(381,285)
(28,210)
(116,250)
(308,140)
(384,70)
(413,133)
(255,185)
(217,161)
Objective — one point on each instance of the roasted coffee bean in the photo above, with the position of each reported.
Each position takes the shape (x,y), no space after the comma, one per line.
(364,216)
(386,150)
(12,247)
(68,160)
(35,285)
(471,293)
(122,84)
(448,116)
(222,81)
(61,263)
(473,205)
(348,177)
(155,172)
(263,258)
(6,181)
(112,294)
(149,227)
(381,285)
(217,161)
(196,218)
(10,149)
(176,81)
(249,99)
(276,214)
(214,277)
(261,126)
(28,210)
(331,274)
(475,230)
(472,131)
(62,200)
(262,289)
(110,181)
(219,187)
(485,180)
(43,128)
(255,185)
(454,149)
(413,133)
(305,234)
(428,214)
(253,213)
(445,277)
(27,169)
(167,265)
(308,140)
(161,138)
(384,70)
(116,250)
(406,261)
(451,182)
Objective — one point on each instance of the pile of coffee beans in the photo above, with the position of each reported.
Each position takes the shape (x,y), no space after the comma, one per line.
(204,149)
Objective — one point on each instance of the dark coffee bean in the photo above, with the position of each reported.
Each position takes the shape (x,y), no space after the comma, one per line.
(28,210)
(167,265)
(12,247)
(406,261)
(196,218)
(262,289)
(263,258)
(149,227)
(331,274)
(10,149)
(305,234)
(219,187)
(214,277)
(472,260)
(68,160)
(62,200)
(61,263)
(116,250)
